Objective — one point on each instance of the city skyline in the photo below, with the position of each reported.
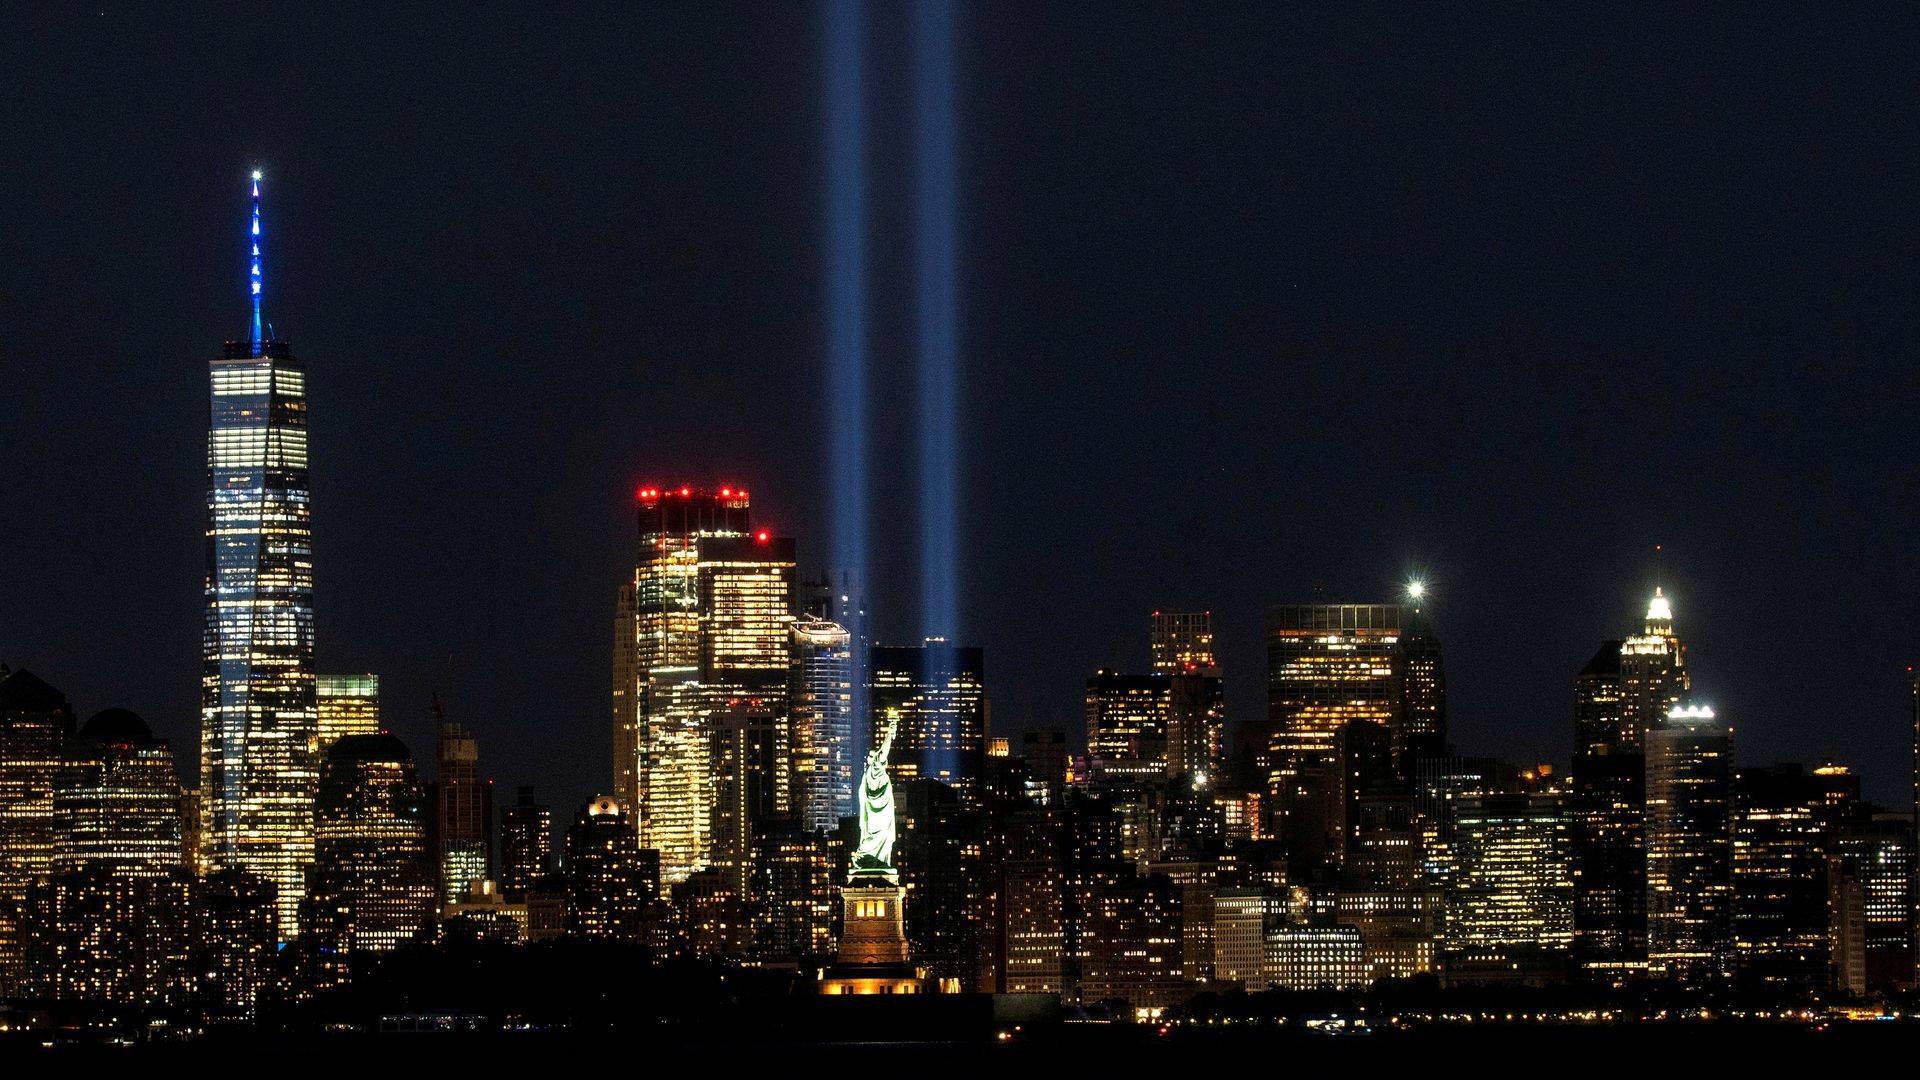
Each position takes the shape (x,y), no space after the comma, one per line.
(417,278)
(1237,534)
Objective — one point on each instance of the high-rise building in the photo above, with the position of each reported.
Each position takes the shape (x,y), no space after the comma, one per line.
(238,931)
(463,818)
(371,887)
(1783,819)
(119,804)
(1870,870)
(933,692)
(1609,839)
(1243,916)
(611,880)
(526,845)
(258,715)
(346,705)
(1422,730)
(1316,958)
(1133,945)
(1690,845)
(1328,666)
(820,717)
(1653,671)
(105,934)
(704,621)
(1512,893)
(35,722)
(1127,727)
(1183,641)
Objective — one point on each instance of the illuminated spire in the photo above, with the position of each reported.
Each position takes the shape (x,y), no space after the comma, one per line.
(253,276)
(1658,610)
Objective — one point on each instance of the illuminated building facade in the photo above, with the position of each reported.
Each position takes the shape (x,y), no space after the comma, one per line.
(1133,948)
(346,705)
(791,895)
(935,692)
(1871,871)
(526,844)
(1421,729)
(1316,957)
(258,715)
(105,934)
(1127,720)
(705,620)
(1182,641)
(1690,846)
(1329,666)
(1511,896)
(611,880)
(1783,819)
(1243,916)
(820,717)
(238,935)
(372,884)
(463,818)
(119,804)
(35,722)
(1609,842)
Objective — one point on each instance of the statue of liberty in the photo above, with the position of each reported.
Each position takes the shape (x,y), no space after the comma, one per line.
(874,856)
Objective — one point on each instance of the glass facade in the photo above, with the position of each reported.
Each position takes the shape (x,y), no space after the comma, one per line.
(1690,845)
(933,692)
(259,725)
(820,715)
(346,705)
(704,622)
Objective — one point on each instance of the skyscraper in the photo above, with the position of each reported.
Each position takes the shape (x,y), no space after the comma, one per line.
(820,717)
(1653,671)
(935,691)
(704,621)
(372,886)
(1182,641)
(119,806)
(526,845)
(1512,895)
(1690,845)
(1328,666)
(1609,828)
(1783,819)
(346,705)
(1127,720)
(463,817)
(258,722)
(35,721)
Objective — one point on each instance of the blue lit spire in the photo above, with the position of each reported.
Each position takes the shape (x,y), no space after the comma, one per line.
(253,276)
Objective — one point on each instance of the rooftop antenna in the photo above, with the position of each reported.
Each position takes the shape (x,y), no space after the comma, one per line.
(253,276)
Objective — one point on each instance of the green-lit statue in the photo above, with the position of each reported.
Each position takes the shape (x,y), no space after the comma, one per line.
(874,856)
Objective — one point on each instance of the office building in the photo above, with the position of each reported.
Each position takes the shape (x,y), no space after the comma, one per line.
(259,721)
(1690,846)
(35,722)
(372,885)
(1511,896)
(526,845)
(1182,641)
(934,693)
(1127,719)
(463,818)
(820,717)
(346,705)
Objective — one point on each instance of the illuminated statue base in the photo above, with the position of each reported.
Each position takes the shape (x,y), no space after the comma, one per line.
(873,957)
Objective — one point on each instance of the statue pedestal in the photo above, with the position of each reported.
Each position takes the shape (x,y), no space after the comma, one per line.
(873,957)
(873,928)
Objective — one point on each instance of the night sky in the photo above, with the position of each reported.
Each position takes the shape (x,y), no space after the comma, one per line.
(1255,306)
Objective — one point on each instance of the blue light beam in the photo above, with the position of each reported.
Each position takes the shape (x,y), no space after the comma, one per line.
(846,287)
(938,323)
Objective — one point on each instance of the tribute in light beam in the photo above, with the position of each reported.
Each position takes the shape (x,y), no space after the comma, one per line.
(935,241)
(846,275)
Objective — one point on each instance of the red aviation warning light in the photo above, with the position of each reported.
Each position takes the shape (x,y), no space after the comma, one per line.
(762,536)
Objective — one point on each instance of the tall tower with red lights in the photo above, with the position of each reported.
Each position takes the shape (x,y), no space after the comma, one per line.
(702,625)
